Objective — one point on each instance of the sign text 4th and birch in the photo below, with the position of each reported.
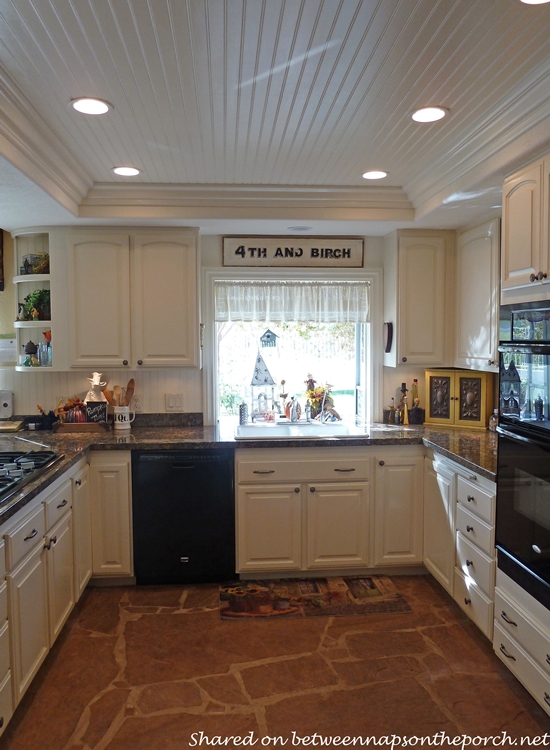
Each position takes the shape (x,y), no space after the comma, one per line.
(313,252)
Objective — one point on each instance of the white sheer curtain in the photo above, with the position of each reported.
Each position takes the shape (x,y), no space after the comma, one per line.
(316,302)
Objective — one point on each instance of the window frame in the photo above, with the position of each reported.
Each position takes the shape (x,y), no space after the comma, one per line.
(374,331)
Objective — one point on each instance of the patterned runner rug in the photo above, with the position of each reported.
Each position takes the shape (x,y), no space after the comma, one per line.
(310,597)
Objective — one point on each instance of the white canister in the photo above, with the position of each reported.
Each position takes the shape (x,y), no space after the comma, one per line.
(122,417)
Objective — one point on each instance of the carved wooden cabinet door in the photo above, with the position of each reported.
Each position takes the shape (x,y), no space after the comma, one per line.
(462,398)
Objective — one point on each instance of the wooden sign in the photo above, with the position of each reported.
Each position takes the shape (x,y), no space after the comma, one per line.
(297,252)
(96,411)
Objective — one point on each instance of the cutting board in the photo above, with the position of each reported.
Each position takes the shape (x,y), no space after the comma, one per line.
(10,426)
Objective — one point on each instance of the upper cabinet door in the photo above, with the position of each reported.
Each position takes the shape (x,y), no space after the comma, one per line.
(477,290)
(522,227)
(164,304)
(99,299)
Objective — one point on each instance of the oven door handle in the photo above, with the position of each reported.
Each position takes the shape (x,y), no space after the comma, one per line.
(524,438)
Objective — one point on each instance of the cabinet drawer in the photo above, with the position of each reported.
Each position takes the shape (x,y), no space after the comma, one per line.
(522,666)
(58,503)
(475,529)
(532,638)
(474,602)
(23,538)
(4,649)
(6,702)
(474,563)
(476,499)
(303,471)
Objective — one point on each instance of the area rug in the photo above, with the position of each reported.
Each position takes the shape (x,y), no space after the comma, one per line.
(310,597)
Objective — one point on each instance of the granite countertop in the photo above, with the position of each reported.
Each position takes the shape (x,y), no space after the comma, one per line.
(473,449)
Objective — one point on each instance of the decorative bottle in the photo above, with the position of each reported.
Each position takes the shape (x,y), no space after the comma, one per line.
(493,421)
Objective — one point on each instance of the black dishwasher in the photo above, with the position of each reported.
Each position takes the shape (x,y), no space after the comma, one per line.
(183,516)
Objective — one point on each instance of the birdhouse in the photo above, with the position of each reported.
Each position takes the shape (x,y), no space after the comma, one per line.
(262,389)
(510,389)
(269,338)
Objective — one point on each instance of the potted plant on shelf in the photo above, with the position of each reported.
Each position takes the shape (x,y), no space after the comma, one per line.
(36,305)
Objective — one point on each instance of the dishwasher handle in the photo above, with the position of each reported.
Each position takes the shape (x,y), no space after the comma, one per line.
(183,466)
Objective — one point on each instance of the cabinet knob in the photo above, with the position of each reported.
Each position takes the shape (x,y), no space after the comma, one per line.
(470,498)
(547,698)
(490,361)
(140,361)
(1,722)
(78,482)
(296,489)
(467,601)
(469,528)
(403,359)
(538,276)
(468,563)
(312,489)
(124,361)
(381,463)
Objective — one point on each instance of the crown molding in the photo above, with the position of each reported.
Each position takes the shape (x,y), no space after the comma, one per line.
(105,200)
(27,142)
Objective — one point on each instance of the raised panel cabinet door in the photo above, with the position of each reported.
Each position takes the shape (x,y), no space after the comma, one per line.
(439,531)
(60,568)
(477,303)
(474,394)
(269,527)
(82,529)
(111,529)
(337,524)
(422,313)
(28,599)
(440,397)
(99,300)
(164,291)
(521,227)
(398,511)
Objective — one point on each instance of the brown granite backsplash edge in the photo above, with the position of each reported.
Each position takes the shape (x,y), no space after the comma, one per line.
(161,419)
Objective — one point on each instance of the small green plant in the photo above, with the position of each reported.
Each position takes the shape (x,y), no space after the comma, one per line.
(38,300)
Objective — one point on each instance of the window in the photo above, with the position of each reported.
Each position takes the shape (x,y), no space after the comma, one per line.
(300,329)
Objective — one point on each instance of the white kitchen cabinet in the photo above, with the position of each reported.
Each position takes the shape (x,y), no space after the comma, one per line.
(398,507)
(269,523)
(133,298)
(82,528)
(477,297)
(418,296)
(439,525)
(60,573)
(523,254)
(110,483)
(337,525)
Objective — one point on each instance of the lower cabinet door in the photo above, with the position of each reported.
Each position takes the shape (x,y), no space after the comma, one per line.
(439,531)
(6,702)
(60,567)
(28,597)
(269,527)
(82,530)
(337,525)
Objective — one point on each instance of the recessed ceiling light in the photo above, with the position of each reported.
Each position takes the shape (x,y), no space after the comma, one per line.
(375,174)
(429,114)
(299,229)
(126,171)
(90,106)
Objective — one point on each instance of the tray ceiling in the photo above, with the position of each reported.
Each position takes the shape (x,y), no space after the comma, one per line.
(257,113)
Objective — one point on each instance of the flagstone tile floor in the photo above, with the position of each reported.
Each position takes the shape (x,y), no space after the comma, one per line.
(152,668)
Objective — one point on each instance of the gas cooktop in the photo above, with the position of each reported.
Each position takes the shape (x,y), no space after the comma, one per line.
(18,468)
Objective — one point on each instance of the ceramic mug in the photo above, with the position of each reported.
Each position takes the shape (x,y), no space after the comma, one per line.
(122,418)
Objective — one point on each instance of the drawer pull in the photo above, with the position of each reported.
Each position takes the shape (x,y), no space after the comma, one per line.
(472,478)
(469,528)
(269,471)
(469,562)
(510,622)
(506,654)
(467,601)
(33,533)
(1,722)
(78,482)
(50,544)
(470,498)
(184,559)
(546,699)
(63,504)
(344,470)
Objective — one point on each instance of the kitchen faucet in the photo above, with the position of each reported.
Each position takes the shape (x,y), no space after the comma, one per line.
(323,416)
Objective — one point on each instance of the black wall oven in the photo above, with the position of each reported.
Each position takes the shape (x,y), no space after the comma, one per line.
(523,475)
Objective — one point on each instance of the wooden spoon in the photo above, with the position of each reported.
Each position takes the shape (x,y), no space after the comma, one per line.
(109,397)
(129,391)
(117,390)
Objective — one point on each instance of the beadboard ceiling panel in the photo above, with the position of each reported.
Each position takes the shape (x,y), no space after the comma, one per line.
(267,94)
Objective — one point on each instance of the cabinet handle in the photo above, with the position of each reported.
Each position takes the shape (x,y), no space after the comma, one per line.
(312,489)
(403,359)
(507,619)
(78,482)
(1,722)
(470,498)
(63,504)
(381,463)
(546,699)
(472,478)
(296,489)
(467,601)
(490,361)
(468,563)
(140,361)
(33,533)
(270,471)
(548,658)
(506,654)
(124,361)
(184,559)
(469,528)
(344,470)
(52,541)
